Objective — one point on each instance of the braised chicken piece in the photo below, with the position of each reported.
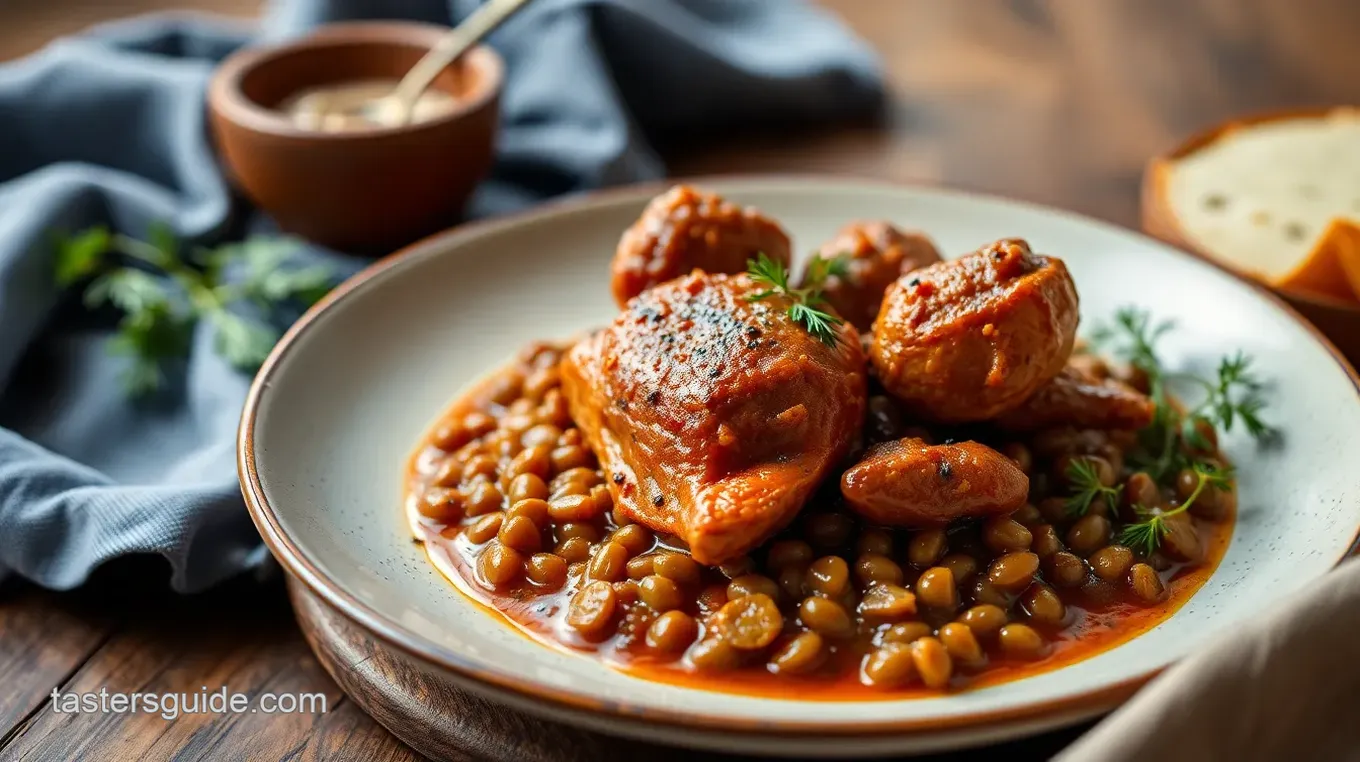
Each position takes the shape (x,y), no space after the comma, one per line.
(1079,399)
(908,483)
(970,339)
(876,255)
(686,229)
(714,417)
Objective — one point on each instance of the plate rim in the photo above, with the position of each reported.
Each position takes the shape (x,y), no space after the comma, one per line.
(296,563)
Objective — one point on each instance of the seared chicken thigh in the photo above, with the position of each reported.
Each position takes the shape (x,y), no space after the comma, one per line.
(876,254)
(714,416)
(686,229)
(970,339)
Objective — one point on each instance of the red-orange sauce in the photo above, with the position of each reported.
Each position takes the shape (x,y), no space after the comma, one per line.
(1095,625)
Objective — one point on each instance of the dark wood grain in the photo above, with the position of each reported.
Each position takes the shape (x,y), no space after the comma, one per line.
(42,643)
(114,637)
(1061,102)
(1058,102)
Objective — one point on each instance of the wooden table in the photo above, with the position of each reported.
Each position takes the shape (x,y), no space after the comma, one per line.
(1057,102)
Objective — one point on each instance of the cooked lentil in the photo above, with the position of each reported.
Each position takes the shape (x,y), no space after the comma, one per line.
(506,489)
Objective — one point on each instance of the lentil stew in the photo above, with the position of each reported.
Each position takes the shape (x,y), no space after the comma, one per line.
(730,488)
(511,508)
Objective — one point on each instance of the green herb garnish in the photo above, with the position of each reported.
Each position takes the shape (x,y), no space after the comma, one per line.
(1233,396)
(807,300)
(1086,487)
(163,292)
(1146,535)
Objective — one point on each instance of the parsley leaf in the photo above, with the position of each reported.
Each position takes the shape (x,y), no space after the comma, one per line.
(149,339)
(242,341)
(80,255)
(163,293)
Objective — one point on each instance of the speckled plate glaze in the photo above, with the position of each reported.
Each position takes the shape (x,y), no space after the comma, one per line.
(338,406)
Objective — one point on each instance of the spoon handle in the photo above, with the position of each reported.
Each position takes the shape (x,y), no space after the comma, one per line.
(452,45)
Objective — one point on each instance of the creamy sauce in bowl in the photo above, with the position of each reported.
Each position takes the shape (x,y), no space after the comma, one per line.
(359,105)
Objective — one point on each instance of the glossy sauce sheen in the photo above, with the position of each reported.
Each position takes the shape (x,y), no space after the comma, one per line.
(1095,625)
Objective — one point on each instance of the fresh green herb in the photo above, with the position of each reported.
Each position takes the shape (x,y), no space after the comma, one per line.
(1134,336)
(1235,395)
(1084,479)
(1146,536)
(821,268)
(163,292)
(806,300)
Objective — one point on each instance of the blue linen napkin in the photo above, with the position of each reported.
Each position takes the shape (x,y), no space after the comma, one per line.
(109,128)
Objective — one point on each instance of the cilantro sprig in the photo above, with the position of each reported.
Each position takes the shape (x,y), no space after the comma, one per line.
(163,290)
(1146,535)
(807,300)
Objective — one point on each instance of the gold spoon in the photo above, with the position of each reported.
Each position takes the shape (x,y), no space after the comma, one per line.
(396,109)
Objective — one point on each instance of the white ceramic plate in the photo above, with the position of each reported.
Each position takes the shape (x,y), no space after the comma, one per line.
(339,405)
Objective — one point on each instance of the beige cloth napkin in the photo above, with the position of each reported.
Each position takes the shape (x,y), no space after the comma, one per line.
(1284,687)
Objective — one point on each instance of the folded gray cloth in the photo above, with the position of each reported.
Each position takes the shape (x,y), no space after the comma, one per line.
(1285,686)
(109,128)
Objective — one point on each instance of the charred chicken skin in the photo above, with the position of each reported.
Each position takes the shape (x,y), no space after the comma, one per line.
(877,254)
(908,483)
(970,339)
(714,416)
(1077,399)
(685,229)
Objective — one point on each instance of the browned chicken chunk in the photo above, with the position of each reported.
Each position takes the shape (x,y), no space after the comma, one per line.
(909,483)
(1080,400)
(876,255)
(970,339)
(685,229)
(714,417)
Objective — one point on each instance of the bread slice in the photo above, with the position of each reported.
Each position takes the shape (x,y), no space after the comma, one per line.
(1332,267)
(1271,197)
(1344,238)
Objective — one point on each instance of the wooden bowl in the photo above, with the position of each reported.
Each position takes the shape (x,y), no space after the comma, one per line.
(1339,320)
(360,191)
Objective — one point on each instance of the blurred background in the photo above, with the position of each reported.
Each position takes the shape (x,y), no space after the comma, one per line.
(1055,101)
(26,25)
